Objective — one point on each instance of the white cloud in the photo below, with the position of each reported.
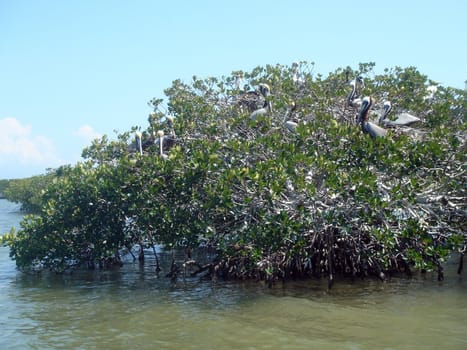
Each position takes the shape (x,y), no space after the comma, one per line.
(18,143)
(86,133)
(23,153)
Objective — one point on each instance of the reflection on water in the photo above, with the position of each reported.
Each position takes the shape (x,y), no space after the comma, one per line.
(133,307)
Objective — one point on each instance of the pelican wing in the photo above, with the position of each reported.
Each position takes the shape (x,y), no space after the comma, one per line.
(402,119)
(258,112)
(291,125)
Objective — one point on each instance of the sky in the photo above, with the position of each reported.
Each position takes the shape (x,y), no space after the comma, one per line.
(74,70)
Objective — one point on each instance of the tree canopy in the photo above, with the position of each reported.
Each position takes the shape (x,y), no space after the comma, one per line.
(297,191)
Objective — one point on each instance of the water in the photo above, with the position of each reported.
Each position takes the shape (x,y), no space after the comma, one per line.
(134,308)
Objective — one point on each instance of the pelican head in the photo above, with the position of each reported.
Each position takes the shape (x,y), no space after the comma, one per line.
(386,110)
(170,126)
(360,81)
(170,121)
(292,106)
(367,103)
(352,93)
(352,99)
(264,89)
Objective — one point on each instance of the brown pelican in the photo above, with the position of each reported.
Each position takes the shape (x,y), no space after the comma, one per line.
(161,140)
(401,119)
(298,81)
(291,125)
(290,122)
(138,142)
(170,126)
(353,99)
(265,90)
(431,91)
(367,126)
(238,80)
(249,100)
(165,142)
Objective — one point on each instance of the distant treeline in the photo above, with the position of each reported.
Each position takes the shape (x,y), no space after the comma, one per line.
(26,191)
(3,186)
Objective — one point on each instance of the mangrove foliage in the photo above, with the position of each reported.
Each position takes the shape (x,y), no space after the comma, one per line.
(295,190)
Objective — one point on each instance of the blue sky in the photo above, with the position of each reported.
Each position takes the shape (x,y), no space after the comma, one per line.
(73,70)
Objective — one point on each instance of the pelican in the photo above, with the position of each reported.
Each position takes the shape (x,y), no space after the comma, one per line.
(290,122)
(138,142)
(431,91)
(298,81)
(165,142)
(238,80)
(265,90)
(248,100)
(402,119)
(291,125)
(170,126)
(353,99)
(161,140)
(367,126)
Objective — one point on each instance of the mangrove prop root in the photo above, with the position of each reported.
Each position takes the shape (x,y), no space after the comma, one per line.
(327,254)
(174,271)
(461,264)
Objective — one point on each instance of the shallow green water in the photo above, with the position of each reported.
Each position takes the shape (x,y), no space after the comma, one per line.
(134,308)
